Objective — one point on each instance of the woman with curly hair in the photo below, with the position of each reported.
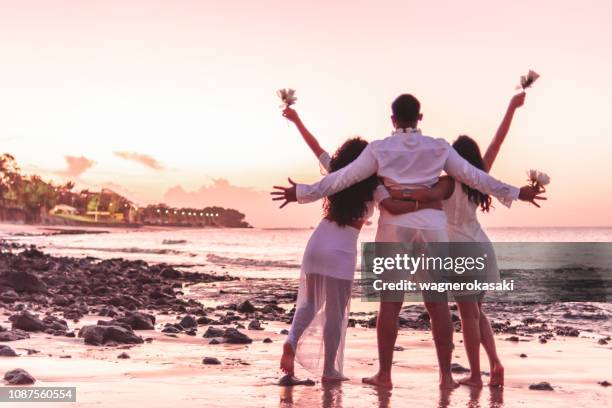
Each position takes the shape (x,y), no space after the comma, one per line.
(317,334)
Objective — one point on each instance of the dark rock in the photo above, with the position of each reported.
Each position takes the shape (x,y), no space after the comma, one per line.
(14,335)
(233,336)
(246,307)
(567,331)
(602,342)
(171,329)
(22,281)
(255,325)
(289,381)
(113,323)
(189,322)
(398,348)
(542,386)
(55,324)
(9,296)
(213,332)
(19,377)
(123,356)
(97,335)
(523,355)
(284,331)
(204,320)
(214,341)
(211,360)
(32,252)
(513,339)
(6,351)
(604,383)
(267,340)
(60,300)
(27,321)
(170,273)
(272,309)
(138,320)
(459,369)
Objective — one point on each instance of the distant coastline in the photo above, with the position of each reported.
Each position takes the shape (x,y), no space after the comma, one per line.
(28,199)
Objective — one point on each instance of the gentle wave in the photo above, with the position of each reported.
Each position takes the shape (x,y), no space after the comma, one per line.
(262,263)
(135,250)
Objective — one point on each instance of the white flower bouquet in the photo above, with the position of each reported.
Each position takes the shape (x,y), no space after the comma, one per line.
(528,80)
(538,179)
(287,96)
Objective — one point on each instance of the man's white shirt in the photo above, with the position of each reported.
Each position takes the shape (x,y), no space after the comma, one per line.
(408,159)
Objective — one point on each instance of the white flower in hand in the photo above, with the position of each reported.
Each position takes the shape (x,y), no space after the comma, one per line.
(538,178)
(287,96)
(529,79)
(543,179)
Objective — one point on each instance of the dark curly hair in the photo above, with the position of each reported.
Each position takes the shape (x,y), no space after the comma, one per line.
(350,204)
(469,150)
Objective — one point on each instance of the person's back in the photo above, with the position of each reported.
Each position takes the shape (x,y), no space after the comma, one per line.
(410,160)
(462,218)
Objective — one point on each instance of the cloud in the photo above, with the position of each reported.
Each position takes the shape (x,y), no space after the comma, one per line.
(258,206)
(76,166)
(143,159)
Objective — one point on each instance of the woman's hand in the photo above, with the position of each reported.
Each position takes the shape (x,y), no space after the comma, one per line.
(517,100)
(291,114)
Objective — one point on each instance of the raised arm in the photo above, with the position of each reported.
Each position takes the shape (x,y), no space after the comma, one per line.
(489,158)
(308,137)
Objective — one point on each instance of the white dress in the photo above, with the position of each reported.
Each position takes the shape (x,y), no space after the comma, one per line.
(320,320)
(463,226)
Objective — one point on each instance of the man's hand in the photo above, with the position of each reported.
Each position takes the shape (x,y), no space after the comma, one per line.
(291,115)
(288,194)
(517,100)
(530,194)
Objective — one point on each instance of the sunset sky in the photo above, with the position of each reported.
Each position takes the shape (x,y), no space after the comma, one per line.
(175,100)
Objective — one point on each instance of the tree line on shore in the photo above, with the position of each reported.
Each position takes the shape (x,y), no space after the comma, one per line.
(32,200)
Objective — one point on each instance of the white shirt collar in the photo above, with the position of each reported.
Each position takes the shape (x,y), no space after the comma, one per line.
(406,131)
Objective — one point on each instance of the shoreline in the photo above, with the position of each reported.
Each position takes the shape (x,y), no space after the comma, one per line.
(181,331)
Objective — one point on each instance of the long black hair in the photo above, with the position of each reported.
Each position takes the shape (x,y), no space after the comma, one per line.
(350,204)
(469,150)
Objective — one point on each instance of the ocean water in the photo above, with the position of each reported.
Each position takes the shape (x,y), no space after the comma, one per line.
(276,253)
(258,253)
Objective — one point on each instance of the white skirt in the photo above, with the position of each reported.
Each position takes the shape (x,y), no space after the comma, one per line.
(318,330)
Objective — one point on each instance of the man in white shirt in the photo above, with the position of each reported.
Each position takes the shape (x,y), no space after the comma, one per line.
(409,160)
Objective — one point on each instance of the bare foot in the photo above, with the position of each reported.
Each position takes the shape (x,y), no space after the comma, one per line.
(471,382)
(497,376)
(447,383)
(377,381)
(333,376)
(325,379)
(287,359)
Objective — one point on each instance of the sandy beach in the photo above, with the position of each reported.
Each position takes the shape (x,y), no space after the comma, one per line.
(165,362)
(169,371)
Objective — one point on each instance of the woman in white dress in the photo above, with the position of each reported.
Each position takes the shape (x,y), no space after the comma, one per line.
(461,204)
(317,335)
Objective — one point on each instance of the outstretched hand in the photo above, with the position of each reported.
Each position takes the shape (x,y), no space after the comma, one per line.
(518,100)
(531,194)
(288,194)
(291,114)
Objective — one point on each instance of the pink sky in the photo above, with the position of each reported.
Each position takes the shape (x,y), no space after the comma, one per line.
(164,99)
